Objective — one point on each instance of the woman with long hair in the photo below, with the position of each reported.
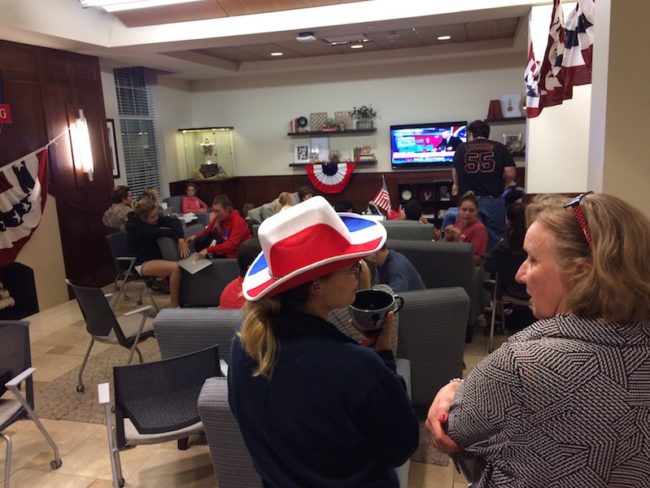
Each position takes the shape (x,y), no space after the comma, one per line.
(144,227)
(315,408)
(468,227)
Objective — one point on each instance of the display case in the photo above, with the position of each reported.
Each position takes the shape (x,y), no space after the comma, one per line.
(208,152)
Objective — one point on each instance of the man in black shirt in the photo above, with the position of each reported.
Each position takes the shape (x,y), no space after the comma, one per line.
(481,165)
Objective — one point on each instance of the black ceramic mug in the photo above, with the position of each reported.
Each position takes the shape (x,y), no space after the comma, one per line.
(370,307)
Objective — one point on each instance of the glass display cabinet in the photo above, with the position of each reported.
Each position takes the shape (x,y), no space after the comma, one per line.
(208,152)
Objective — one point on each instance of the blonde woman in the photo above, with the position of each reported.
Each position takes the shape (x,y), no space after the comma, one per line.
(314,407)
(565,402)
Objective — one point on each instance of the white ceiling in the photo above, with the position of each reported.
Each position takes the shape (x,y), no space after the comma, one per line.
(238,44)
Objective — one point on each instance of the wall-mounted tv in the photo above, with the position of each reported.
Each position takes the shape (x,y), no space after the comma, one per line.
(429,145)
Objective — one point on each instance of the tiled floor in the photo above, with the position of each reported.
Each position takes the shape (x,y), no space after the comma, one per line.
(58,348)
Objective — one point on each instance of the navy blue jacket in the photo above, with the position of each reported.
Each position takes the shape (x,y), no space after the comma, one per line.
(398,273)
(333,413)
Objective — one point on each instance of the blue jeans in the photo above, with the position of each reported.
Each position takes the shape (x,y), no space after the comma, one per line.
(493,214)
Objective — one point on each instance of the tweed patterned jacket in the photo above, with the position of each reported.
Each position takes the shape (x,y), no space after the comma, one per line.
(564,403)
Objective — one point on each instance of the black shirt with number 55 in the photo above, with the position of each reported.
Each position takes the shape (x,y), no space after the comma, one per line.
(479,165)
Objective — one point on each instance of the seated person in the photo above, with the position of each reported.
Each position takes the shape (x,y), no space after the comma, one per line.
(305,193)
(413,211)
(190,203)
(116,215)
(395,270)
(314,407)
(468,227)
(508,255)
(144,228)
(285,201)
(343,206)
(227,228)
(232,296)
(152,194)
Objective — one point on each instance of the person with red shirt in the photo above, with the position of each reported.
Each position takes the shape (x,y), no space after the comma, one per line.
(190,202)
(227,228)
(232,295)
(468,228)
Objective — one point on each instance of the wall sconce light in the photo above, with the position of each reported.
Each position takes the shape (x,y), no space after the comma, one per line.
(81,151)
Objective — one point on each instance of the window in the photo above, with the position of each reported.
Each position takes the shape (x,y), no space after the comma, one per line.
(134,101)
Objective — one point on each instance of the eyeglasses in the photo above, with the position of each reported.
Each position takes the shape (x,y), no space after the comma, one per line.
(356,269)
(580,216)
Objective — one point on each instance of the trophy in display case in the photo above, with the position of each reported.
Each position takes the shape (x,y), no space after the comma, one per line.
(208,152)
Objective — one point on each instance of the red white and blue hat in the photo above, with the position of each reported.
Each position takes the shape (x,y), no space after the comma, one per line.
(305,242)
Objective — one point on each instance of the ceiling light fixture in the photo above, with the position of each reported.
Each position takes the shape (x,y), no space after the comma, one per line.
(356,46)
(277,54)
(444,38)
(120,5)
(306,37)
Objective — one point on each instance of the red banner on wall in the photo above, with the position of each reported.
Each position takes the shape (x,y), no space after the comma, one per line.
(5,113)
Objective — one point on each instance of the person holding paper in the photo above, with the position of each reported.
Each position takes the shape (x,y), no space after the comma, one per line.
(224,233)
(144,227)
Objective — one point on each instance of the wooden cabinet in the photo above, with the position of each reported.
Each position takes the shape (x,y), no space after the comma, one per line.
(433,195)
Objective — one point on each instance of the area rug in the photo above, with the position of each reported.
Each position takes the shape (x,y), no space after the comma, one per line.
(59,399)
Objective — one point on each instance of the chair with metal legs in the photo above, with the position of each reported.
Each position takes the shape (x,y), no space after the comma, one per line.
(499,298)
(102,325)
(16,374)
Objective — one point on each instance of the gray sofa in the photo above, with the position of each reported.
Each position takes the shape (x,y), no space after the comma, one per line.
(443,264)
(408,230)
(431,333)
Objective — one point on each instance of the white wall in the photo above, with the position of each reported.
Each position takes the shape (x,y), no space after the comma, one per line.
(173,111)
(260,108)
(557,150)
(44,254)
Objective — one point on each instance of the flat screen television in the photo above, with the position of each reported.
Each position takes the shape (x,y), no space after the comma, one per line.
(429,145)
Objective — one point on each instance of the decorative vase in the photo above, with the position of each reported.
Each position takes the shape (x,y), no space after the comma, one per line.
(364,123)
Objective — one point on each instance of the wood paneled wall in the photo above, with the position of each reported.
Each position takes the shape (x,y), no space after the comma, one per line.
(361,188)
(45,88)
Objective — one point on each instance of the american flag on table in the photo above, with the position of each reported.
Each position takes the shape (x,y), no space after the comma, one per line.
(382,199)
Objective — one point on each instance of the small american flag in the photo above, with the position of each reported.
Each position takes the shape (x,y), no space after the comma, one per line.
(382,199)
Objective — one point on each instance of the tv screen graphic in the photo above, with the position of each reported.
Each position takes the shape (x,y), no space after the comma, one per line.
(428,145)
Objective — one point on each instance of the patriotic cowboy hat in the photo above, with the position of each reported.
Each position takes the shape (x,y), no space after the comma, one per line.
(306,242)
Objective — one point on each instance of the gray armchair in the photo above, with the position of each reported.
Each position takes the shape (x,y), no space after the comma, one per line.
(233,465)
(182,331)
(432,337)
(408,230)
(443,264)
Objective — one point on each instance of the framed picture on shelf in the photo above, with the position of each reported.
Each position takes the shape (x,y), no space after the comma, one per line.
(320,149)
(301,152)
(112,144)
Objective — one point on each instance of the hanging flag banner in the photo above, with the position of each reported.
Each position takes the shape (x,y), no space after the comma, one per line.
(567,60)
(23,191)
(330,177)
(531,78)
(578,44)
(5,108)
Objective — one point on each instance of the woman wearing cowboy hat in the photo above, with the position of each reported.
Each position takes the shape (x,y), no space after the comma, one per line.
(314,407)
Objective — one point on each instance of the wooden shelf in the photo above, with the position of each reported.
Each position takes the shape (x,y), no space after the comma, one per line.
(371,161)
(506,120)
(325,133)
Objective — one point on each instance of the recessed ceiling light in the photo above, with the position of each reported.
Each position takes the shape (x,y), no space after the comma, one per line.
(306,36)
(277,54)
(120,5)
(444,38)
(356,46)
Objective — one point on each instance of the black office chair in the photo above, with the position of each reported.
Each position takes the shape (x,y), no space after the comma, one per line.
(16,374)
(156,402)
(504,293)
(125,269)
(103,326)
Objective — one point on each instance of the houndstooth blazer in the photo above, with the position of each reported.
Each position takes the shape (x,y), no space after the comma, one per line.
(564,403)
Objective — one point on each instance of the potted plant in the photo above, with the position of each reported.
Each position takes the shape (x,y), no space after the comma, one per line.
(364,115)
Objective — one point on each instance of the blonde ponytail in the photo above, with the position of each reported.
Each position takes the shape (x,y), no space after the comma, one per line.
(257,335)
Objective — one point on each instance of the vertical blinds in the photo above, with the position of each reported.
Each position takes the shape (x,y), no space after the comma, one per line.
(134,102)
